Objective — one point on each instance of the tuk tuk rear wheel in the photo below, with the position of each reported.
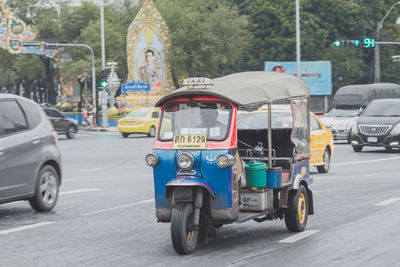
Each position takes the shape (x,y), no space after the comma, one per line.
(296,215)
(183,233)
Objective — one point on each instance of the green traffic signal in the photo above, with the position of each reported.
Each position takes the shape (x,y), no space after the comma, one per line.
(104,84)
(365,43)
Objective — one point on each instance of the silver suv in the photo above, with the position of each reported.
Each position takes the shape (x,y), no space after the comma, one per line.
(30,161)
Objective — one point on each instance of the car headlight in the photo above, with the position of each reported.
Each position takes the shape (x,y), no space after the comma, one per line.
(396,129)
(226,160)
(151,160)
(354,128)
(185,161)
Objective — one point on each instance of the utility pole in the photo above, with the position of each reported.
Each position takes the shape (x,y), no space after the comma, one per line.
(377,50)
(377,57)
(104,110)
(298,55)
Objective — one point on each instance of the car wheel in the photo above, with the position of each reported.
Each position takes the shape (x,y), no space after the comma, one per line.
(71,132)
(296,215)
(152,132)
(357,148)
(125,135)
(327,162)
(46,191)
(183,233)
(387,148)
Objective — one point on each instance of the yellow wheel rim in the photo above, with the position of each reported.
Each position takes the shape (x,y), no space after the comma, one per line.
(301,208)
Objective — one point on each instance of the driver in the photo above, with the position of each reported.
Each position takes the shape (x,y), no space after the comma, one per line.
(208,120)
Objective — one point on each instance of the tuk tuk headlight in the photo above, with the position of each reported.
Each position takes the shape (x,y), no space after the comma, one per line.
(185,161)
(151,159)
(226,160)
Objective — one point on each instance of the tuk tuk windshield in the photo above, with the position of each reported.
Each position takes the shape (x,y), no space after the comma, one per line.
(201,118)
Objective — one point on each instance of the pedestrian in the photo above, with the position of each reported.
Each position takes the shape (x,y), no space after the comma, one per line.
(85,121)
(90,114)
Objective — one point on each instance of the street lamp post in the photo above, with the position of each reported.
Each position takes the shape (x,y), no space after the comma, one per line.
(75,45)
(377,50)
(47,4)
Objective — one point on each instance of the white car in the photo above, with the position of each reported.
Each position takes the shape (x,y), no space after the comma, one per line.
(340,121)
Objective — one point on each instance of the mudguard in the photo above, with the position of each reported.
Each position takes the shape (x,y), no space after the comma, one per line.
(191,181)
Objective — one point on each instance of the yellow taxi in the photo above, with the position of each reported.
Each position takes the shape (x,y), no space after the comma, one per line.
(322,147)
(321,143)
(143,120)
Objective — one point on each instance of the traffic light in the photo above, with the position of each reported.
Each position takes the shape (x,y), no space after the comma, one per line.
(103,80)
(365,43)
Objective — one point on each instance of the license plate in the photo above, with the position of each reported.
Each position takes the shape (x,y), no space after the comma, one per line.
(189,141)
(130,123)
(372,139)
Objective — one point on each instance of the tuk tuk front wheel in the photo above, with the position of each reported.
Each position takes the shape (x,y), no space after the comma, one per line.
(296,215)
(183,233)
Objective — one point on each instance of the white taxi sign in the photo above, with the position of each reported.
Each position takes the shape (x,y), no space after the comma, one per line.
(198,81)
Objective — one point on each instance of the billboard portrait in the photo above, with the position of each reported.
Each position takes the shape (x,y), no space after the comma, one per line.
(316,74)
(148,50)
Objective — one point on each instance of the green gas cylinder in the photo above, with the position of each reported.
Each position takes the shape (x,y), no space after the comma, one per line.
(256,174)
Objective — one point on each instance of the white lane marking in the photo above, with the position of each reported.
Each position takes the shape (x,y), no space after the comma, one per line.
(26,227)
(80,191)
(69,180)
(371,174)
(119,207)
(92,170)
(364,161)
(387,201)
(299,236)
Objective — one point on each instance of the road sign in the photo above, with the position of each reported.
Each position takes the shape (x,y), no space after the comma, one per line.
(76,88)
(135,86)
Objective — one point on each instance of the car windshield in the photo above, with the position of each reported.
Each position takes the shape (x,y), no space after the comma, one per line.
(197,118)
(342,113)
(260,121)
(138,114)
(382,109)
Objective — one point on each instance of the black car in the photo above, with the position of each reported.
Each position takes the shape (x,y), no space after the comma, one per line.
(61,124)
(378,125)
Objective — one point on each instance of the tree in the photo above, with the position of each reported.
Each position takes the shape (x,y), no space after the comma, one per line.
(209,38)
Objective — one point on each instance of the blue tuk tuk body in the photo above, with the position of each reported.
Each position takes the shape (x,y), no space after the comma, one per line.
(199,181)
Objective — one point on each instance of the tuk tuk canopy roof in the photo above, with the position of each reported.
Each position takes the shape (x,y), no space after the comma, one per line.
(359,95)
(246,88)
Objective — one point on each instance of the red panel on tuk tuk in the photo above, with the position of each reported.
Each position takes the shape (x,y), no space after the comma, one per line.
(229,143)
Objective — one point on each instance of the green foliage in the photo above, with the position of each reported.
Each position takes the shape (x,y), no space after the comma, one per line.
(214,37)
(209,38)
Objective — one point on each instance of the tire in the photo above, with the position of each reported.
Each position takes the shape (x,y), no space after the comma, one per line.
(46,191)
(357,148)
(184,237)
(125,135)
(327,162)
(152,132)
(71,132)
(296,215)
(387,148)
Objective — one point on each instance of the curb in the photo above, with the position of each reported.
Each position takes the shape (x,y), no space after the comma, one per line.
(97,129)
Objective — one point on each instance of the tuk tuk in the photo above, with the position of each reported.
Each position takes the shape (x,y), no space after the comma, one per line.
(207,173)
